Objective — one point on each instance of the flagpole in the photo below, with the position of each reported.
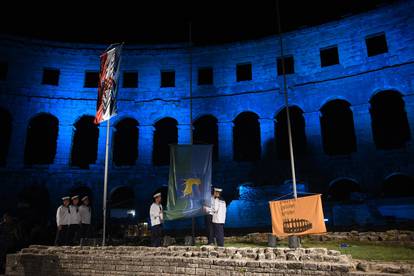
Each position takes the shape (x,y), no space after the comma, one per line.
(105,182)
(190,42)
(293,241)
(292,157)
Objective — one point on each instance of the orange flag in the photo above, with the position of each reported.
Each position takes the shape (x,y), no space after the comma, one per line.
(300,216)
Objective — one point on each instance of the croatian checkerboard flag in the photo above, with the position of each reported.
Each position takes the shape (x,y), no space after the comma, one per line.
(108,83)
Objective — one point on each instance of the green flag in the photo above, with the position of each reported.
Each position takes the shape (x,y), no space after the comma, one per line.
(189,185)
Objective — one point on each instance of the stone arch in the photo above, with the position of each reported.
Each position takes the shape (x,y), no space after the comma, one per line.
(165,133)
(389,122)
(246,137)
(298,133)
(337,128)
(85,142)
(5,135)
(206,132)
(341,189)
(41,139)
(398,185)
(125,139)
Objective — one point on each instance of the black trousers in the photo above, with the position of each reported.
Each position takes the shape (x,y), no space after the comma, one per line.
(219,233)
(209,228)
(62,235)
(85,231)
(74,234)
(157,235)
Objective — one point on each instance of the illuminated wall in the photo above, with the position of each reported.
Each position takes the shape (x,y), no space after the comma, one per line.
(356,79)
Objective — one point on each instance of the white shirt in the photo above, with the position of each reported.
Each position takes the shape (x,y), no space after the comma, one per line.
(156,214)
(85,214)
(75,217)
(219,210)
(62,216)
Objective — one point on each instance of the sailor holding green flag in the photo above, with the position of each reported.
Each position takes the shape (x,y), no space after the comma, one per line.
(218,210)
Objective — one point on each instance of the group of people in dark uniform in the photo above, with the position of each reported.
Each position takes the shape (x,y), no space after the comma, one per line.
(73,221)
(215,219)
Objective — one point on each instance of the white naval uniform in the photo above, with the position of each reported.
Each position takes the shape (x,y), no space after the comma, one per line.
(85,214)
(63,215)
(156,214)
(75,217)
(218,208)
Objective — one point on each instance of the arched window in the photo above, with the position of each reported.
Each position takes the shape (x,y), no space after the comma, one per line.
(85,142)
(33,206)
(390,126)
(206,132)
(298,133)
(125,150)
(41,140)
(166,133)
(337,126)
(5,133)
(398,185)
(341,189)
(246,137)
(123,197)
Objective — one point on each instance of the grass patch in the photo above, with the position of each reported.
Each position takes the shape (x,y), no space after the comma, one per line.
(358,250)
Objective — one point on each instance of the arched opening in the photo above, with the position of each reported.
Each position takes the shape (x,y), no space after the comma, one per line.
(5,134)
(122,203)
(85,142)
(246,137)
(164,194)
(298,133)
(125,150)
(337,126)
(342,189)
(206,132)
(398,185)
(33,210)
(165,133)
(41,140)
(389,121)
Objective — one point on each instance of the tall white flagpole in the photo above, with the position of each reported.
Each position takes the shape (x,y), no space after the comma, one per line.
(105,182)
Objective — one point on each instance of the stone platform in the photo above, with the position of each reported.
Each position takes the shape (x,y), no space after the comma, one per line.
(180,260)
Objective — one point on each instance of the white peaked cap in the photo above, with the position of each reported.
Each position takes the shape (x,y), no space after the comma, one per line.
(66,198)
(76,196)
(218,189)
(84,198)
(156,195)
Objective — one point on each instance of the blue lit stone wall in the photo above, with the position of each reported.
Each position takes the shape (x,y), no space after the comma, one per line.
(356,79)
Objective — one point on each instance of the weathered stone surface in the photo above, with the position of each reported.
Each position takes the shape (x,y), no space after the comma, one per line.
(173,260)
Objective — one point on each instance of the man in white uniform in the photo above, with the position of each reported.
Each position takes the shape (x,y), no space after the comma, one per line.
(85,215)
(62,221)
(157,219)
(219,216)
(75,221)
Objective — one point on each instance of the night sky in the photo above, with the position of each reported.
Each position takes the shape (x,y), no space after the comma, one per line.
(167,21)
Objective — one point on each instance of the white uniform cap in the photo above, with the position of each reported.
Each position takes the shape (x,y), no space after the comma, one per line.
(84,198)
(156,195)
(76,196)
(66,198)
(218,189)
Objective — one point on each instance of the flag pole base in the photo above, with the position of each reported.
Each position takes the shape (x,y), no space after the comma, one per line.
(294,242)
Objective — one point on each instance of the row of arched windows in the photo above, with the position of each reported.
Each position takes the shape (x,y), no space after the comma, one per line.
(390,130)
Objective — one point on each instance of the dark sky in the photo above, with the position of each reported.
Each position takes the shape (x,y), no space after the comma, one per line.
(167,21)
